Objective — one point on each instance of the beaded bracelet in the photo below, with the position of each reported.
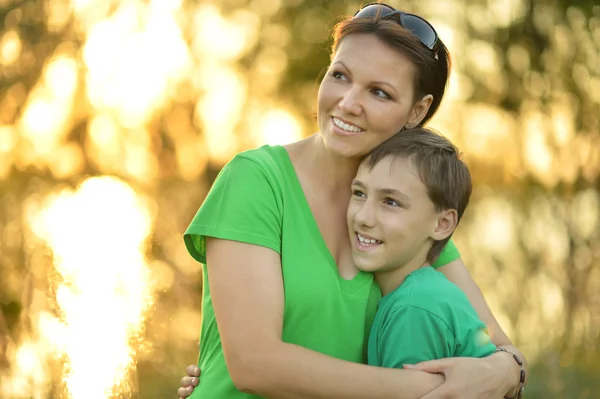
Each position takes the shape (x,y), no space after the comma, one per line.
(519,394)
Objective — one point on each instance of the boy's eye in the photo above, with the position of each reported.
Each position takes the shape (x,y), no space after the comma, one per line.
(358,193)
(391,202)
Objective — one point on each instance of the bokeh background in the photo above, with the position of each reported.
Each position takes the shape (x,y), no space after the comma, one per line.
(116,116)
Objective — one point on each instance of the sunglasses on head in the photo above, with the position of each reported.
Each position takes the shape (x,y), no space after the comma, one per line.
(417,25)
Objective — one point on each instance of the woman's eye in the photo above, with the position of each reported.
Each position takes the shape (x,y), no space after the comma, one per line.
(381,93)
(338,75)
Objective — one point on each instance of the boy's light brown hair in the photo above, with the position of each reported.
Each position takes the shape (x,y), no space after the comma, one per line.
(440,167)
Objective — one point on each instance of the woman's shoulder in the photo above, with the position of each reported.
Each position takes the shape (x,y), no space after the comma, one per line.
(266,156)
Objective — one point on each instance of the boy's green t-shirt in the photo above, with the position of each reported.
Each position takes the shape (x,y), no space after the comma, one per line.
(257,199)
(428,317)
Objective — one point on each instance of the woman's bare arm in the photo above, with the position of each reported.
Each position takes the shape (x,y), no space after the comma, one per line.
(246,286)
(457,273)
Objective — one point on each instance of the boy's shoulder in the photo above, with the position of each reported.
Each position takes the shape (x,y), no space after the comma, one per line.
(431,291)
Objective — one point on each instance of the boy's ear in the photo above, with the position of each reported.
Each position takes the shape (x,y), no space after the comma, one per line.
(446,223)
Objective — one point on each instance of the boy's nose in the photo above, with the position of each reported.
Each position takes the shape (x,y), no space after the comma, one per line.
(365,216)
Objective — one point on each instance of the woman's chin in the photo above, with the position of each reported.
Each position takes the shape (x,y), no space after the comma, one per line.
(343,147)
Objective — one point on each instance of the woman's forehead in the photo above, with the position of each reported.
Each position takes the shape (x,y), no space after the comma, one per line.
(367,53)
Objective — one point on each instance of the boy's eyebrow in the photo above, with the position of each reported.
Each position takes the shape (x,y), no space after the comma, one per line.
(384,191)
(394,192)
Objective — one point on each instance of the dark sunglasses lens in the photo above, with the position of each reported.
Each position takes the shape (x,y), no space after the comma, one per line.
(374,10)
(420,29)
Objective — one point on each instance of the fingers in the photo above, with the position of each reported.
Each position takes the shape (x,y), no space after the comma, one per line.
(431,366)
(192,370)
(184,392)
(442,393)
(189,382)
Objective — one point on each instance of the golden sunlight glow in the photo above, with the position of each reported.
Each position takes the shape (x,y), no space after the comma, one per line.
(97,235)
(49,108)
(495,225)
(537,155)
(280,127)
(28,374)
(10,48)
(8,141)
(134,58)
(219,109)
(224,39)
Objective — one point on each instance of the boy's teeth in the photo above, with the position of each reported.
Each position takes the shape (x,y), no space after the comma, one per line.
(345,126)
(367,241)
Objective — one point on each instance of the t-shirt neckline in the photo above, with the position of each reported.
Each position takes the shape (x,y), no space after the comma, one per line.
(361,277)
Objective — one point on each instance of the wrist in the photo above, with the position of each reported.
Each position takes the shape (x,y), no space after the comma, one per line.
(514,377)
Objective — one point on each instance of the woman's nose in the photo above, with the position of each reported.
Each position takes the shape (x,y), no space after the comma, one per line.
(350,102)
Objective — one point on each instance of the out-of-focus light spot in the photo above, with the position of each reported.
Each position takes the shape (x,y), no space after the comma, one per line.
(488,133)
(495,225)
(102,298)
(537,153)
(272,60)
(8,139)
(131,68)
(58,13)
(191,158)
(505,12)
(311,25)
(518,58)
(585,214)
(552,303)
(42,123)
(594,89)
(61,77)
(220,109)
(48,111)
(10,48)
(483,57)
(66,161)
(140,163)
(221,38)
(275,34)
(280,127)
(563,124)
(265,7)
(478,16)
(104,144)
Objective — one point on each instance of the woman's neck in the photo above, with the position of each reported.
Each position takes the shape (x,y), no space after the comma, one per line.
(332,174)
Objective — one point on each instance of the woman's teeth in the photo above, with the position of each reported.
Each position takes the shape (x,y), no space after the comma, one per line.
(346,127)
(367,241)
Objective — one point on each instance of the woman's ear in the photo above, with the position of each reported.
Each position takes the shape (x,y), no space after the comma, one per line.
(446,223)
(419,111)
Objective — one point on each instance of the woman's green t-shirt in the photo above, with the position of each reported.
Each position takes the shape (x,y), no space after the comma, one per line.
(257,199)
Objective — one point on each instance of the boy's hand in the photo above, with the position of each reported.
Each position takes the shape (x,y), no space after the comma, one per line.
(466,378)
(191,380)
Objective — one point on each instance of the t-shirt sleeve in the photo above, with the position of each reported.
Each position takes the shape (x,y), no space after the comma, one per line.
(449,254)
(473,338)
(242,205)
(411,335)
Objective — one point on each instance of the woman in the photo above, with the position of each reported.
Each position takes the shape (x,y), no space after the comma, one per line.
(292,310)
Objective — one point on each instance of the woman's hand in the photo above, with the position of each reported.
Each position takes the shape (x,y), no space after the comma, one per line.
(492,377)
(191,380)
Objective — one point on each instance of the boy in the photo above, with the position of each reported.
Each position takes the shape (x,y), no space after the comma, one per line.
(407,198)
